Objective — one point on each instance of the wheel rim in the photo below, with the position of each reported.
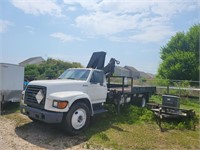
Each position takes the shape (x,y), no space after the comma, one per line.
(143,102)
(79,118)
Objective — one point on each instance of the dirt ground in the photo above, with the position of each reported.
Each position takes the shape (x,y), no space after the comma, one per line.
(22,133)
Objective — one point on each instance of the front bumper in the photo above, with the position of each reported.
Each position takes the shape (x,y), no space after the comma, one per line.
(42,115)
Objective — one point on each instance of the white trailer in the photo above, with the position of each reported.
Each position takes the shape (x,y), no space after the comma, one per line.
(11,82)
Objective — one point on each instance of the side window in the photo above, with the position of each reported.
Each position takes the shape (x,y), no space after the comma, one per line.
(97,77)
(92,80)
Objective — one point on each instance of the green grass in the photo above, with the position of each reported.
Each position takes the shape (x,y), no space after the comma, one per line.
(134,128)
(140,136)
(11,111)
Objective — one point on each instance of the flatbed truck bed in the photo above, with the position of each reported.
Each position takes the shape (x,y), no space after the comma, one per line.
(136,89)
(121,93)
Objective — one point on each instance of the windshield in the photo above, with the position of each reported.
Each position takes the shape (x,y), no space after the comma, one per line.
(75,74)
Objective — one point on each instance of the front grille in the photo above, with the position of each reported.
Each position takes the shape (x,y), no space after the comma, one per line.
(30,96)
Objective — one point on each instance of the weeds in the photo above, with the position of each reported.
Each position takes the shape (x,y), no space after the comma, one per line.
(103,137)
(135,128)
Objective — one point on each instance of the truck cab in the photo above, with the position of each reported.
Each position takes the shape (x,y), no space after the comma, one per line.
(71,99)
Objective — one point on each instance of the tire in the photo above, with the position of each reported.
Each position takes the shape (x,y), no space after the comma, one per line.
(143,102)
(140,101)
(76,119)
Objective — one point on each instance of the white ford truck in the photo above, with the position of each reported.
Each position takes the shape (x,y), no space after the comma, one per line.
(69,100)
(78,94)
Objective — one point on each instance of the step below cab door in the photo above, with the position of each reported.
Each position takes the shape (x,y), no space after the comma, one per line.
(97,89)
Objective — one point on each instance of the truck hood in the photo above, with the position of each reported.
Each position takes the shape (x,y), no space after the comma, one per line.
(61,85)
(59,82)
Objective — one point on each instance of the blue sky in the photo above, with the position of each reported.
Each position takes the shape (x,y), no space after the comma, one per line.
(132,31)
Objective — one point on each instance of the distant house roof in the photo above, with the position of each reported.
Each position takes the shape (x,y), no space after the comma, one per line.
(144,75)
(133,72)
(131,68)
(32,60)
(121,71)
(121,68)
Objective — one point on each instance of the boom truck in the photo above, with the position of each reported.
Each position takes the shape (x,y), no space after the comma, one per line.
(80,93)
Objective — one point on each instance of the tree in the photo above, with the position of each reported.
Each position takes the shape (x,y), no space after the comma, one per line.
(193,38)
(52,68)
(31,72)
(181,56)
(179,65)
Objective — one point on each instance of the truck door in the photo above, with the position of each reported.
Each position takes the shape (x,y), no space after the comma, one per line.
(97,90)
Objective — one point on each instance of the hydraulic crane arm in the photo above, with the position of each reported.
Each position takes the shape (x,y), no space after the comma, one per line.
(97,62)
(109,68)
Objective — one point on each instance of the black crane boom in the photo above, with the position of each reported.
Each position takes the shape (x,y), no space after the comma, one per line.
(97,61)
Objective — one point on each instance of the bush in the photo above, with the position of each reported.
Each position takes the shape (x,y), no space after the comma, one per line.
(49,69)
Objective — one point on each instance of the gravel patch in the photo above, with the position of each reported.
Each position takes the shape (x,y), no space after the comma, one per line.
(19,132)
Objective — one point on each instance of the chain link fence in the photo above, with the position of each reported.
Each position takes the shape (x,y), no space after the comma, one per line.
(181,88)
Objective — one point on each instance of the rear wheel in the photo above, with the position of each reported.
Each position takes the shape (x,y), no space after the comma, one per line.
(76,119)
(139,100)
(143,102)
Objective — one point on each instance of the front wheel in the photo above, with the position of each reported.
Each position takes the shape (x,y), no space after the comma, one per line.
(76,119)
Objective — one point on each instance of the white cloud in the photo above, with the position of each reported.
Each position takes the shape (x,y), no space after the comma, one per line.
(71,8)
(38,7)
(86,4)
(101,23)
(125,6)
(139,27)
(148,34)
(30,29)
(170,8)
(162,7)
(116,20)
(64,37)
(137,19)
(4,24)
(152,34)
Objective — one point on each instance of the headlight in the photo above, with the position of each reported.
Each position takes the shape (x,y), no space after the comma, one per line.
(60,104)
